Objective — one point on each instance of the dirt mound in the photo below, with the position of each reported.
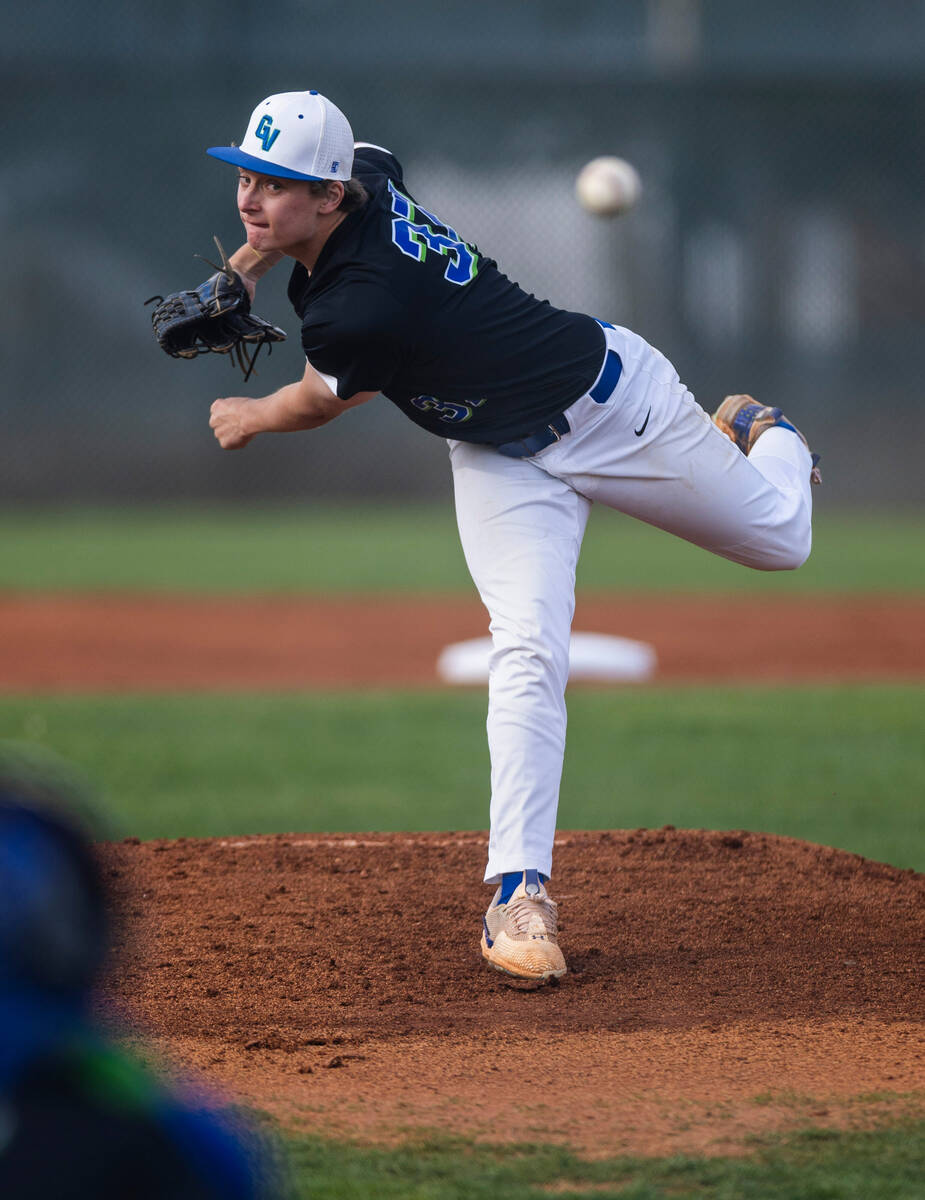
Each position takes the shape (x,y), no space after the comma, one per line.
(138,643)
(706,970)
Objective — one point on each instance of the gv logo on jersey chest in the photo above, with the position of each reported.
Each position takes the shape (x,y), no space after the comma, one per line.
(265,133)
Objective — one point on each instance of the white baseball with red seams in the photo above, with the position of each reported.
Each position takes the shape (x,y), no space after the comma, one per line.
(608,186)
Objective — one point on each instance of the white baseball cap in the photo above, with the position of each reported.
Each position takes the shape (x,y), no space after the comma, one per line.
(295,135)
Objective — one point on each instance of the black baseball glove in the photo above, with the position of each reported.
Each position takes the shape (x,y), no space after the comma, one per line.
(215,317)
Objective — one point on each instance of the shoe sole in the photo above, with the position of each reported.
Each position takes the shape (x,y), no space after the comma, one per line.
(536,980)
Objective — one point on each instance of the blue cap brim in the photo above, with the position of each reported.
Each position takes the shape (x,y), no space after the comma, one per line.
(236,156)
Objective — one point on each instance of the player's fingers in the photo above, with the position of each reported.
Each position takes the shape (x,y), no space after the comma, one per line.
(224,422)
(228,434)
(221,410)
(233,441)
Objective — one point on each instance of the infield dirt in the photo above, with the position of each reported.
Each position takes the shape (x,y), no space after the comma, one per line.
(139,643)
(720,985)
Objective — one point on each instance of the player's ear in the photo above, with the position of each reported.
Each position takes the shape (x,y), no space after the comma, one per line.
(333,196)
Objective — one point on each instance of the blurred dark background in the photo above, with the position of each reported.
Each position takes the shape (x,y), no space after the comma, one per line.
(778,248)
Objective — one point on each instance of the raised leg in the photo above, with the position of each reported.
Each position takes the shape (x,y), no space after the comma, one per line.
(680,472)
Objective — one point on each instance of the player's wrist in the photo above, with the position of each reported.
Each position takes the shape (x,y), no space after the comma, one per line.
(276,413)
(256,415)
(253,264)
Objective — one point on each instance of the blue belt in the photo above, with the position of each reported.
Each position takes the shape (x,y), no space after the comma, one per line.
(558,426)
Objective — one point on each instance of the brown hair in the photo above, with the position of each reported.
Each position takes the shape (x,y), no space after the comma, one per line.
(355,194)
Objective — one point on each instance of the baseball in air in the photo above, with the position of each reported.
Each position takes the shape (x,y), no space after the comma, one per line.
(608,186)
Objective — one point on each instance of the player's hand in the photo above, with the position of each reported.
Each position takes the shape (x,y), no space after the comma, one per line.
(228,422)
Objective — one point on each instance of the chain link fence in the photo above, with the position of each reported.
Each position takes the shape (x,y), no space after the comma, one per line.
(779,247)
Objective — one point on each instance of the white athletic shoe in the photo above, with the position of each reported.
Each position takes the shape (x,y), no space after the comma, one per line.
(520,938)
(744,420)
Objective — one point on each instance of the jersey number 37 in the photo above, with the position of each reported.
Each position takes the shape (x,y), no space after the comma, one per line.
(414,232)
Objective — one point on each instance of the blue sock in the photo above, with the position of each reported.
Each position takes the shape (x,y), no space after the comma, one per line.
(511,881)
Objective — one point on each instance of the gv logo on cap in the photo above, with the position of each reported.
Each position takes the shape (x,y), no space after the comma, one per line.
(265,132)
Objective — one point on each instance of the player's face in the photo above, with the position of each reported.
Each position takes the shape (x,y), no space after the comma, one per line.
(278,214)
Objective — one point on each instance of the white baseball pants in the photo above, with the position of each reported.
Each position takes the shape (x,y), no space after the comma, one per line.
(521,522)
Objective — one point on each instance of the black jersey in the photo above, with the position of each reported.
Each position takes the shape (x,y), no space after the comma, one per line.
(399,303)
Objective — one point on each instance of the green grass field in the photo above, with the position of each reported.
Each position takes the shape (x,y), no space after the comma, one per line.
(841,765)
(844,766)
(851,774)
(815,1164)
(307,548)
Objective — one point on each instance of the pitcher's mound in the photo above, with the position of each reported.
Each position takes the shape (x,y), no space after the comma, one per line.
(717,983)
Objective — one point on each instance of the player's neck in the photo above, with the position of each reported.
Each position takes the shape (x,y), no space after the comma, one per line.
(307,252)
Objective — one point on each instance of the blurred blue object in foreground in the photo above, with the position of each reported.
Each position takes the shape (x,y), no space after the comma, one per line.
(80,1119)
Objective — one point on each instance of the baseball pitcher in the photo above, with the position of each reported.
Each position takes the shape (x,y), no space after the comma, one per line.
(545,412)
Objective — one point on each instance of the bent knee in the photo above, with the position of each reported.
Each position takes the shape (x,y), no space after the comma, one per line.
(786,555)
(528,661)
